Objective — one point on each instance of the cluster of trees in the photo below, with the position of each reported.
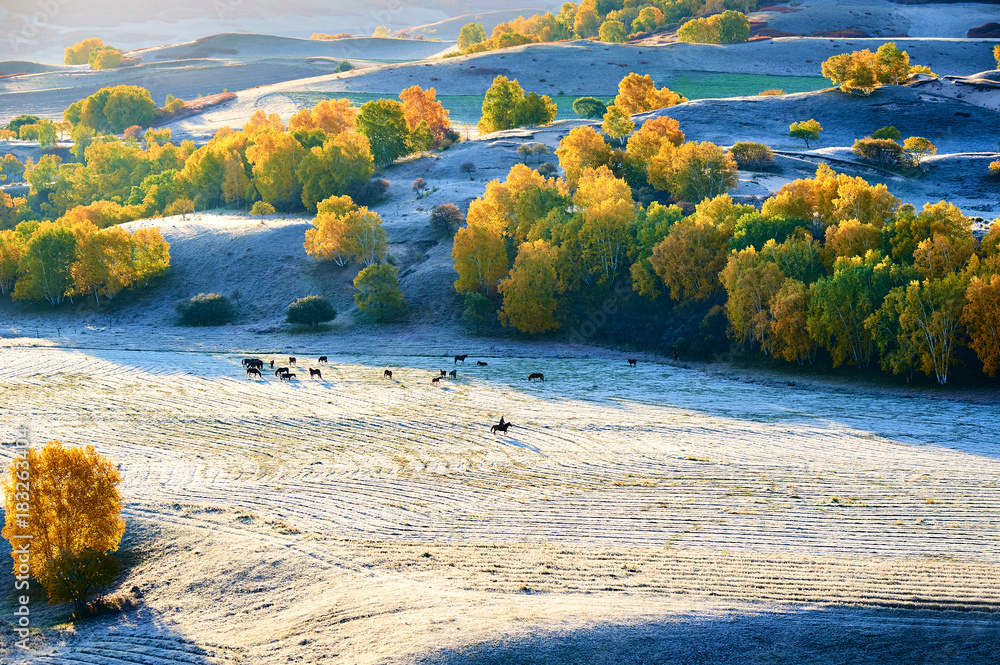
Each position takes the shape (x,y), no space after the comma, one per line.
(729,27)
(71,517)
(865,71)
(883,148)
(830,265)
(329,150)
(94,52)
(614,21)
(505,106)
(72,257)
(345,232)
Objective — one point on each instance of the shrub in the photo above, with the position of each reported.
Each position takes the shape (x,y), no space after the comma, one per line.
(589,107)
(547,169)
(368,193)
(206,309)
(310,311)
(771,92)
(881,152)
(994,169)
(446,219)
(468,167)
(888,132)
(478,310)
(133,132)
(419,185)
(344,66)
(15,124)
(750,155)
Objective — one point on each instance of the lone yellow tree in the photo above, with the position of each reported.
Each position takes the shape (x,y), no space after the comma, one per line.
(65,503)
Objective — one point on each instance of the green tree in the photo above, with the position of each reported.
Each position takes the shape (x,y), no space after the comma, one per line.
(261,208)
(478,310)
(79,53)
(694,171)
(887,132)
(917,147)
(613,32)
(343,160)
(733,27)
(500,105)
(105,57)
(311,311)
(589,107)
(46,263)
(617,124)
(807,130)
(383,121)
(535,110)
(378,292)
(470,35)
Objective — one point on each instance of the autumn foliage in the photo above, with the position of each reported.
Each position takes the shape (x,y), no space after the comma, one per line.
(67,501)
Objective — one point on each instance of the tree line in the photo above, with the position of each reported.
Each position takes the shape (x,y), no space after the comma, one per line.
(613,21)
(828,266)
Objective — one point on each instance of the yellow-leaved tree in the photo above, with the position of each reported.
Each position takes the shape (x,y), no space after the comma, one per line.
(608,213)
(529,292)
(65,502)
(638,94)
(582,148)
(480,255)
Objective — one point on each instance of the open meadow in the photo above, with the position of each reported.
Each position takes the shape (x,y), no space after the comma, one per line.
(378,519)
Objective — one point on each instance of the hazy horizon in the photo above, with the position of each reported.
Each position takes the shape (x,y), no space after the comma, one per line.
(40,31)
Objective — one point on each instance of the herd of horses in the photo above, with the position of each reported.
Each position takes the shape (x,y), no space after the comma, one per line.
(255,366)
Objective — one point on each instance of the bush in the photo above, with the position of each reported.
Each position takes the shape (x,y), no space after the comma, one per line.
(771,92)
(994,168)
(889,132)
(881,152)
(419,185)
(368,193)
(344,66)
(750,155)
(478,310)
(446,219)
(206,309)
(590,107)
(547,169)
(310,311)
(468,167)
(261,208)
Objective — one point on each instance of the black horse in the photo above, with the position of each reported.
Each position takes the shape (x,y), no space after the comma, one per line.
(281,370)
(251,371)
(315,372)
(631,362)
(500,428)
(453,374)
(536,375)
(436,379)
(387,374)
(481,363)
(291,360)
(322,359)
(462,358)
(444,372)
(287,376)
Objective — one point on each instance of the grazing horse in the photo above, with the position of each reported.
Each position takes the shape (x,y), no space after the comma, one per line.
(287,376)
(453,374)
(252,371)
(272,364)
(436,379)
(536,375)
(462,358)
(500,428)
(322,359)
(481,363)
(387,374)
(631,362)
(315,372)
(291,360)
(281,370)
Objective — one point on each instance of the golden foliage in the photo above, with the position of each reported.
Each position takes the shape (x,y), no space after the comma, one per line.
(73,504)
(582,148)
(638,94)
(422,105)
(529,292)
(981,316)
(480,256)
(333,116)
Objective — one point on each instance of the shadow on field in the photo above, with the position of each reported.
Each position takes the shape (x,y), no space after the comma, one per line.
(820,637)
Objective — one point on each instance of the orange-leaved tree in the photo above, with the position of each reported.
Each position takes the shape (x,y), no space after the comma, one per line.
(638,94)
(65,502)
(422,105)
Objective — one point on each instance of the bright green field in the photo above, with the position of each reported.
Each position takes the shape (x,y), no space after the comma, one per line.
(466,109)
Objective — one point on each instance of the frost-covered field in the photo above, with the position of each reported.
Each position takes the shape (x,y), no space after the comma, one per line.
(362,519)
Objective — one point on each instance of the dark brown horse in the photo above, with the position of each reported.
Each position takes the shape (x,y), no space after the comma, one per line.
(462,358)
(291,360)
(315,372)
(453,374)
(281,370)
(252,371)
(272,364)
(481,363)
(631,362)
(287,376)
(500,428)
(536,375)
(387,374)
(436,379)
(322,359)
(444,372)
